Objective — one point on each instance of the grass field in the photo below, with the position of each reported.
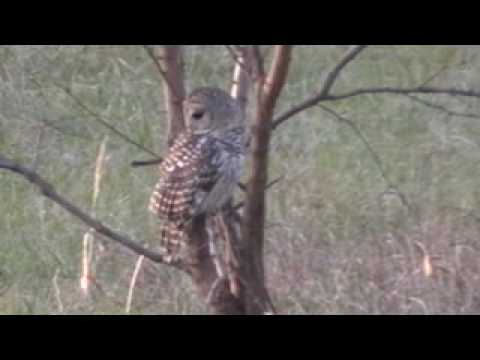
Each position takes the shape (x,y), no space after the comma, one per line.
(340,240)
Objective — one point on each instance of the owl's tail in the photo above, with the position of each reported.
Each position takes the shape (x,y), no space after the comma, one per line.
(172,240)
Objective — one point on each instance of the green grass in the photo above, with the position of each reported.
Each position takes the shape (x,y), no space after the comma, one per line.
(336,242)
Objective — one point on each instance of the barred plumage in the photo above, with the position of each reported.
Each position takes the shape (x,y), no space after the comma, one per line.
(203,166)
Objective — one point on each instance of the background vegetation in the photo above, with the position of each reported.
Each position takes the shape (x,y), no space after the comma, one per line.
(348,232)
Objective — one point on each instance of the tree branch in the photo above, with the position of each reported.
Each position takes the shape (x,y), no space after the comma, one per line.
(373,153)
(100,119)
(335,72)
(315,100)
(138,163)
(48,190)
(325,89)
(404,91)
(442,108)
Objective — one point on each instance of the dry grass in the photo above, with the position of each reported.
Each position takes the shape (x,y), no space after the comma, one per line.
(432,269)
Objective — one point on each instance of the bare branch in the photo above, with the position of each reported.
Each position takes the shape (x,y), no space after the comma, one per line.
(373,153)
(101,120)
(435,74)
(356,130)
(335,72)
(268,187)
(274,182)
(442,108)
(138,163)
(48,190)
(324,91)
(324,94)
(370,91)
(65,132)
(405,91)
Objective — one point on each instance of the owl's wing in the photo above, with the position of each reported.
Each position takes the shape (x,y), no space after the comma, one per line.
(186,174)
(197,176)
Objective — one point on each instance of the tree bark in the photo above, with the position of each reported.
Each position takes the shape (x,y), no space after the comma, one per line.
(268,91)
(170,60)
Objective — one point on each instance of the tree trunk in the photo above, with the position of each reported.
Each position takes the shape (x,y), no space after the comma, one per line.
(234,283)
(268,91)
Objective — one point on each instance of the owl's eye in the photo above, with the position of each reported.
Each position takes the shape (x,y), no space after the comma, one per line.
(197,115)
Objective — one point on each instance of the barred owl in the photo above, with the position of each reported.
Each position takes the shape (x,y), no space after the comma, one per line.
(202,167)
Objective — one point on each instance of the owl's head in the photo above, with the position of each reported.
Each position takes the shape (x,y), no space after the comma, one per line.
(211,109)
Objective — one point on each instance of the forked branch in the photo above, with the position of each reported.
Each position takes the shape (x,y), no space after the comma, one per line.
(335,72)
(324,91)
(371,91)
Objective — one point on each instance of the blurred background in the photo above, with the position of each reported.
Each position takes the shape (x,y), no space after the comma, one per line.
(376,212)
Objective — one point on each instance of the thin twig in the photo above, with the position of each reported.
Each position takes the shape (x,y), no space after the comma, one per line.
(99,118)
(404,91)
(274,182)
(138,163)
(435,75)
(356,130)
(315,100)
(244,189)
(442,108)
(105,123)
(373,153)
(51,124)
(335,72)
